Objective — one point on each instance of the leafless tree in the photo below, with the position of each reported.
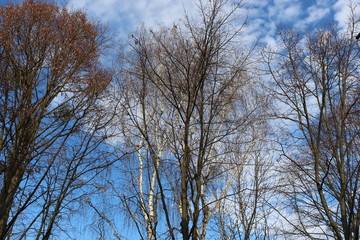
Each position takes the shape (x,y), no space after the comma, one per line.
(245,213)
(316,78)
(190,111)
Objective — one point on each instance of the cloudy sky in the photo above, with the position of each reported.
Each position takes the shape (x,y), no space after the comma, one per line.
(123,16)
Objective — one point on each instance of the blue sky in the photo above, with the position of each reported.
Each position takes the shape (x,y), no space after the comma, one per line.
(123,16)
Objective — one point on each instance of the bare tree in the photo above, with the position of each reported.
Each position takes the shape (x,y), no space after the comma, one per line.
(316,78)
(145,132)
(50,116)
(245,213)
(189,103)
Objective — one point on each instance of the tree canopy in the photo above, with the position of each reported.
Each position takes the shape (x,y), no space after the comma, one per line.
(190,133)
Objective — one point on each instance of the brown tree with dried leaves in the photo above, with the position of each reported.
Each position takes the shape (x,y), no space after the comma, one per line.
(50,83)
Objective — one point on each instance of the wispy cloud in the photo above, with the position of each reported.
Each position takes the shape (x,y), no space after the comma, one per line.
(123,16)
(284,11)
(316,13)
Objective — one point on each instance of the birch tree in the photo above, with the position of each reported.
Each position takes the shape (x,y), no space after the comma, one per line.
(193,111)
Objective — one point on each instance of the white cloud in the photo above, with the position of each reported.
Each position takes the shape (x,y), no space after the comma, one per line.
(292,12)
(284,11)
(123,16)
(315,13)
